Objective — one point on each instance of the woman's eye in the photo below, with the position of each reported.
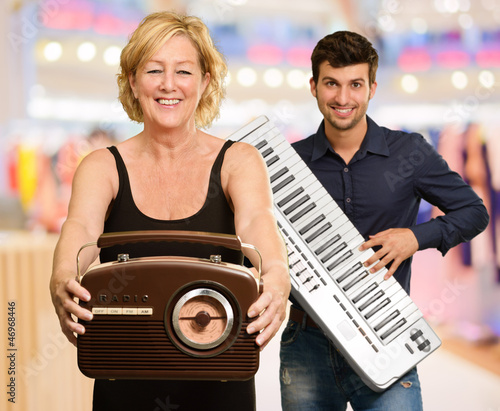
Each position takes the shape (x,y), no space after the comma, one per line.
(156,71)
(184,72)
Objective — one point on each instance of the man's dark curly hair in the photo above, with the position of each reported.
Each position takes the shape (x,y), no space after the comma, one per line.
(344,48)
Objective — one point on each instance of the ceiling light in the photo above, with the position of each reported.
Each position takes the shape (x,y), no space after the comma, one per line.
(111,56)
(459,80)
(53,51)
(487,79)
(86,51)
(296,78)
(246,76)
(273,77)
(409,83)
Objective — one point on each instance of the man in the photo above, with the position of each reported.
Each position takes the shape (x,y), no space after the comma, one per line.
(378,177)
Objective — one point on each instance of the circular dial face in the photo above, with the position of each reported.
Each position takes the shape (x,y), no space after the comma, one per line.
(202,318)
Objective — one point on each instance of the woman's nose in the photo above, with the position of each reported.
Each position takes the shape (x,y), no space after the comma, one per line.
(168,82)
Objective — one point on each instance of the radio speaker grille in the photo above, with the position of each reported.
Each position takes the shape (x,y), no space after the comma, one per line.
(109,348)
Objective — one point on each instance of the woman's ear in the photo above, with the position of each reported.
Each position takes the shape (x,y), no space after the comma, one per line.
(131,80)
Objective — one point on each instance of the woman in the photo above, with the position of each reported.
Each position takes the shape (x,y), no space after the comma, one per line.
(172,175)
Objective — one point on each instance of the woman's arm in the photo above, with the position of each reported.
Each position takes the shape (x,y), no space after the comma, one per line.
(251,198)
(92,192)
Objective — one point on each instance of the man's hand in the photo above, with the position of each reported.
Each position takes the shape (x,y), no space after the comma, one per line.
(397,244)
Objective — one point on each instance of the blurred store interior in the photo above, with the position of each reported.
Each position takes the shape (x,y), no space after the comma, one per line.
(439,75)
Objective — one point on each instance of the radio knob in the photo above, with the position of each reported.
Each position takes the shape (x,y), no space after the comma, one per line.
(216,258)
(123,258)
(202,319)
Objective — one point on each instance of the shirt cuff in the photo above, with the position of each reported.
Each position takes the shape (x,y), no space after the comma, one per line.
(428,235)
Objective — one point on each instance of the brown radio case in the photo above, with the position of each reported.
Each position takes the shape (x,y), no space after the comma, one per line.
(168,317)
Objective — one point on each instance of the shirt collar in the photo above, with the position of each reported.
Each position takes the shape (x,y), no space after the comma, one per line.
(373,142)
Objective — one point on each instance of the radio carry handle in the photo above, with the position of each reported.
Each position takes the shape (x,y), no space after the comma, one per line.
(127,237)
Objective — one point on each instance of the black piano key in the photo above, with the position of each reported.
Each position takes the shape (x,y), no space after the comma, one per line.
(349,272)
(290,197)
(296,205)
(377,308)
(371,300)
(340,260)
(386,320)
(355,281)
(333,252)
(311,224)
(284,183)
(318,232)
(278,174)
(261,144)
(399,324)
(327,245)
(364,293)
(266,152)
(303,212)
(271,161)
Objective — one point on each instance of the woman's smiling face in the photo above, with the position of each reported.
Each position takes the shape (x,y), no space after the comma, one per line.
(169,86)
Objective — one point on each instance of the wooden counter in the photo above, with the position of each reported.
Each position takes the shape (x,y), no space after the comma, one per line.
(47,377)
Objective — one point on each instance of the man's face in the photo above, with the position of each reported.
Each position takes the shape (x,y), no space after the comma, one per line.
(343,94)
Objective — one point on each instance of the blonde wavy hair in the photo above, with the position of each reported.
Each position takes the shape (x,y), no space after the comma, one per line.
(151,34)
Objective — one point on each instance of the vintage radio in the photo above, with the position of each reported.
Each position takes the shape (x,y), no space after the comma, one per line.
(169,317)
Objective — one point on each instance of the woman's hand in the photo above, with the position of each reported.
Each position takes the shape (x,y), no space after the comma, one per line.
(271,305)
(63,294)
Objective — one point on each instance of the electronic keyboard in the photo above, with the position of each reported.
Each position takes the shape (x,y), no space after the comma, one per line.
(371,321)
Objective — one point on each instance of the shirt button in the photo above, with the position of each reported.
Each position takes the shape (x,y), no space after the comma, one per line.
(348,200)
(346,169)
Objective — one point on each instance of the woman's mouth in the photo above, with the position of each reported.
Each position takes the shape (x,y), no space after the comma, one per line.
(170,102)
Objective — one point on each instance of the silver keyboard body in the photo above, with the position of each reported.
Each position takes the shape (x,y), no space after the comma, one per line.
(371,321)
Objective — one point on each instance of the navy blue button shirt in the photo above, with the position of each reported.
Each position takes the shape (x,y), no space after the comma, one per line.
(384,183)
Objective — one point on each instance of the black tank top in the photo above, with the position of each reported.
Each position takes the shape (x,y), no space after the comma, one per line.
(214,216)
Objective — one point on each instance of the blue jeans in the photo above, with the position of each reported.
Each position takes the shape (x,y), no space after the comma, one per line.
(314,376)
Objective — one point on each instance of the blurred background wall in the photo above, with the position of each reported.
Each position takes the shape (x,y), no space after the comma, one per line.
(439,75)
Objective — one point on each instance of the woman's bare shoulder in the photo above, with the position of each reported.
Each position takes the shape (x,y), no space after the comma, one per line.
(97,166)
(241,151)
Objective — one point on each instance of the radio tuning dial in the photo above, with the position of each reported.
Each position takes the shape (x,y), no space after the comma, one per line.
(202,318)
